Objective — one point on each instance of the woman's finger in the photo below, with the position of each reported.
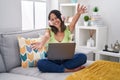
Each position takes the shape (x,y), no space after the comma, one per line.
(33,43)
(33,47)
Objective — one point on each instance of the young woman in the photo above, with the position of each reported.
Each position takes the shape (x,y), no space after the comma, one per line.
(59,33)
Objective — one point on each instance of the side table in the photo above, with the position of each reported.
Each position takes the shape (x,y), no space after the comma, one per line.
(98,54)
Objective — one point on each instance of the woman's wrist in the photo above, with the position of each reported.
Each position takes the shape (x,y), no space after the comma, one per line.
(78,13)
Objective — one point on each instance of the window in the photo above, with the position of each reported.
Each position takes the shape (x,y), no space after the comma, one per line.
(33,14)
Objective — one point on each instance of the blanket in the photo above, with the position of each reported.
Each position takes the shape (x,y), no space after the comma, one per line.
(99,70)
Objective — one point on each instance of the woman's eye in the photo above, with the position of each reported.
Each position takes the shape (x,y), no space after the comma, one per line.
(55,18)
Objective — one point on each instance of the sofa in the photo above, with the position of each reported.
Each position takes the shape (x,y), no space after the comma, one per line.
(10,62)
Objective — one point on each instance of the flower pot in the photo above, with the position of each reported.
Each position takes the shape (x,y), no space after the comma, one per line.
(86,23)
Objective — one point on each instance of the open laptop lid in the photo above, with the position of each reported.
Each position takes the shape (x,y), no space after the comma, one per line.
(60,51)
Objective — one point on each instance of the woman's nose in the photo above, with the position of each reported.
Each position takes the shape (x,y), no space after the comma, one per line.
(55,20)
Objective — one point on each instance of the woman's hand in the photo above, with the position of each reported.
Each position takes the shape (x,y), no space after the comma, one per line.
(81,9)
(37,45)
(45,39)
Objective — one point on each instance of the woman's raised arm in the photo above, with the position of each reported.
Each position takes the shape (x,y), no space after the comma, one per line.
(80,10)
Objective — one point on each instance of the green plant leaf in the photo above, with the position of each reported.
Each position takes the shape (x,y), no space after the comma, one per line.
(86,18)
(95,9)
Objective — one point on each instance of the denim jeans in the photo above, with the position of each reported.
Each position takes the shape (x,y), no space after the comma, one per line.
(46,65)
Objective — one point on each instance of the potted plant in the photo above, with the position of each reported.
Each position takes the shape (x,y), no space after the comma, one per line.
(86,20)
(95,9)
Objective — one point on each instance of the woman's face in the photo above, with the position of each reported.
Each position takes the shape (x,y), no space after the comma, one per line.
(54,20)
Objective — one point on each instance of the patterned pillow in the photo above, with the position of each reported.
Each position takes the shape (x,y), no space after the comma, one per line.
(29,56)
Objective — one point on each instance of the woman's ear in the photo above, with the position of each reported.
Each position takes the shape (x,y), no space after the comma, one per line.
(50,23)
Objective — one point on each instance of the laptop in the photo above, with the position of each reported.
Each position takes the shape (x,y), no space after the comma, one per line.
(60,51)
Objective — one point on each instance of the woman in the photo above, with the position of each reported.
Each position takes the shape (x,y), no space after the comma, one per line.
(59,33)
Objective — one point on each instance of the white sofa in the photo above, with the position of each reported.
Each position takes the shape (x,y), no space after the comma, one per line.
(10,68)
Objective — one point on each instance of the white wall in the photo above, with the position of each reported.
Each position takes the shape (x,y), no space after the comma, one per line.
(54,4)
(109,11)
(10,15)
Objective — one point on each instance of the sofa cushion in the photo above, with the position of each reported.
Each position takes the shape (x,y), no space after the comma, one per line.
(10,49)
(54,76)
(2,66)
(10,76)
(29,56)
(34,72)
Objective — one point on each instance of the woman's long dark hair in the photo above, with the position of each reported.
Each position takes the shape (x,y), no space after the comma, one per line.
(58,14)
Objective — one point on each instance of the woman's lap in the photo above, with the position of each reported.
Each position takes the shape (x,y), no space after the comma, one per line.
(46,65)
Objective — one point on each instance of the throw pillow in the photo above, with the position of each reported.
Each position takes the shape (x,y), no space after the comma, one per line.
(29,56)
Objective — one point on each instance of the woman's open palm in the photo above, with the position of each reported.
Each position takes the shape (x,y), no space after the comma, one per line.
(81,9)
(37,45)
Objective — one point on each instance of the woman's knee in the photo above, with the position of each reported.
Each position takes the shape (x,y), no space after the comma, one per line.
(82,57)
(41,65)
